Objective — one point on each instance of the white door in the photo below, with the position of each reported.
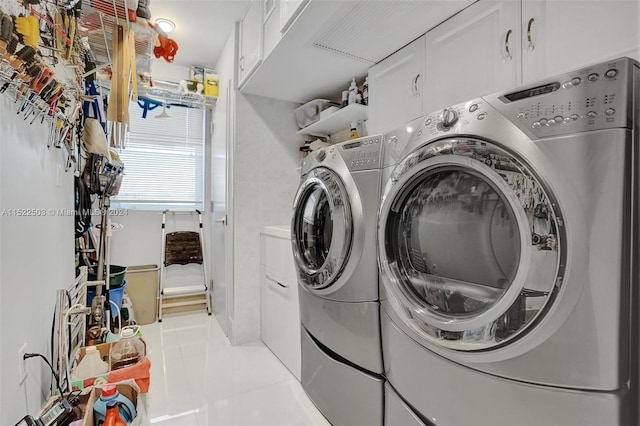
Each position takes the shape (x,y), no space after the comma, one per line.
(396,88)
(558,36)
(250,53)
(476,52)
(222,254)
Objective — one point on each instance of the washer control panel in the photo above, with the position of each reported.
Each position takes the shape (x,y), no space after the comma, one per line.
(363,153)
(453,119)
(593,98)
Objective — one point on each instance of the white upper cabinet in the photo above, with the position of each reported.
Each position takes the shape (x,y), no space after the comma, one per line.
(325,44)
(474,53)
(396,88)
(289,10)
(250,53)
(558,36)
(271,32)
(496,45)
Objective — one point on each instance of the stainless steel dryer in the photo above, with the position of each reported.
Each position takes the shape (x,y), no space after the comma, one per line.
(508,245)
(333,235)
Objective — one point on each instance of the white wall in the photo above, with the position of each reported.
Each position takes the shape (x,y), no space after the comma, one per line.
(266,158)
(37,256)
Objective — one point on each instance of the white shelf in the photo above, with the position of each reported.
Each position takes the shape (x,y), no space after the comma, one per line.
(337,121)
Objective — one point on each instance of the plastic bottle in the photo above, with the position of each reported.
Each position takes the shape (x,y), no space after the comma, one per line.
(128,351)
(91,365)
(354,131)
(345,98)
(365,91)
(110,395)
(112,418)
(353,92)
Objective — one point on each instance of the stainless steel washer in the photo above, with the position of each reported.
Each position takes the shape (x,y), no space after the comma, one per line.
(508,246)
(333,235)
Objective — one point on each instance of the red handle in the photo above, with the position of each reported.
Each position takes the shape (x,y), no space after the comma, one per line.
(44,79)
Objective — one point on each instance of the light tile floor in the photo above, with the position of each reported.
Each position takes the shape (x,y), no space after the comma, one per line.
(198,378)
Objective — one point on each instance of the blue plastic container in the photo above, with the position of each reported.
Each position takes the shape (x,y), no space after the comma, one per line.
(115,294)
(125,407)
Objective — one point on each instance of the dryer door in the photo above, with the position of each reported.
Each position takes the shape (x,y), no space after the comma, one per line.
(470,244)
(321,229)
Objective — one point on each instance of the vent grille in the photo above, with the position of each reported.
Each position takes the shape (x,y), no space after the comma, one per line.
(347,54)
(369,31)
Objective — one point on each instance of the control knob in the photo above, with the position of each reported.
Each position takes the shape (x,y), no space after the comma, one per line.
(448,117)
(321,155)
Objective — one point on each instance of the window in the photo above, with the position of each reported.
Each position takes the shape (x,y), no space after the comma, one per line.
(164,160)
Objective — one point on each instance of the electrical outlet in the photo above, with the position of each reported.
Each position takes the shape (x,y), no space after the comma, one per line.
(22,364)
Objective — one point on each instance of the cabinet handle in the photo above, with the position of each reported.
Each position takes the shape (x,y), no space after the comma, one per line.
(531,46)
(508,56)
(241,63)
(270,278)
(414,87)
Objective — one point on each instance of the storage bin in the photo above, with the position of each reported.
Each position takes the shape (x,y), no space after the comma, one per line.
(116,275)
(142,289)
(309,113)
(115,295)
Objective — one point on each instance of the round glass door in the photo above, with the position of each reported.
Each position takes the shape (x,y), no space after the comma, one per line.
(321,228)
(469,244)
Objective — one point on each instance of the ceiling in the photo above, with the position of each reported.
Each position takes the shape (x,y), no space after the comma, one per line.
(202,27)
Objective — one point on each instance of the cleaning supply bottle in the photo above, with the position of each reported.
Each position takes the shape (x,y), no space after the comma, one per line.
(365,91)
(354,131)
(110,395)
(91,365)
(353,92)
(128,351)
(112,418)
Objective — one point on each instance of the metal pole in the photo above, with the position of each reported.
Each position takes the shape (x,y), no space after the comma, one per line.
(107,246)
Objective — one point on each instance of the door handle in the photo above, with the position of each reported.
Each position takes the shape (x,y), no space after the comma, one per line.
(530,45)
(222,220)
(508,56)
(241,64)
(273,280)
(414,87)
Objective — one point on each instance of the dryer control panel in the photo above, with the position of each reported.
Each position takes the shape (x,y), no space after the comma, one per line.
(363,153)
(593,98)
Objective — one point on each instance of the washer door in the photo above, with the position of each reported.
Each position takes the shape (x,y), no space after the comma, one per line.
(469,244)
(322,229)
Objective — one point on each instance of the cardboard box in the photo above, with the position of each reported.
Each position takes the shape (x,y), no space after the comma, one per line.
(128,389)
(139,372)
(79,409)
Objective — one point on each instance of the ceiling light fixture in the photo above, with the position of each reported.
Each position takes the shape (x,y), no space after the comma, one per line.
(166,25)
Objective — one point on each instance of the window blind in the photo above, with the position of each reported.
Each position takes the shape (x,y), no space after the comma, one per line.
(164,160)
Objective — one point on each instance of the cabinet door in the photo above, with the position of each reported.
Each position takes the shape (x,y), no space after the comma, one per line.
(472,54)
(289,10)
(250,53)
(396,88)
(561,35)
